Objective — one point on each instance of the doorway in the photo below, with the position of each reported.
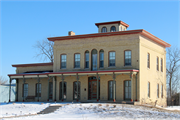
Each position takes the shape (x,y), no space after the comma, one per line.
(50,90)
(92,88)
(127,90)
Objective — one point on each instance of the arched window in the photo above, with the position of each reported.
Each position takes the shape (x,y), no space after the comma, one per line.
(87,59)
(104,29)
(94,59)
(124,29)
(113,29)
(76,90)
(62,96)
(101,58)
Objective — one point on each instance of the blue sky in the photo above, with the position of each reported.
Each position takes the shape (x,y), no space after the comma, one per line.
(24,23)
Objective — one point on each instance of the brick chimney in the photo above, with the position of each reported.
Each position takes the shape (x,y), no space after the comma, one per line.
(70,33)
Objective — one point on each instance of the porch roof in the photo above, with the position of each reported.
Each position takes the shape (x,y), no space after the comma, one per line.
(46,74)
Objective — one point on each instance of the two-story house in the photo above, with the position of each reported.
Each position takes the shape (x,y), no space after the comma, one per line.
(114,64)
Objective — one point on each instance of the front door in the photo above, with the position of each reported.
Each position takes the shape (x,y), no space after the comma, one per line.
(127,90)
(92,94)
(50,90)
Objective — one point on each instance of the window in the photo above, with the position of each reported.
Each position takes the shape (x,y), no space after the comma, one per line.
(25,90)
(148,60)
(161,65)
(75,88)
(87,59)
(38,89)
(110,90)
(60,91)
(124,29)
(104,29)
(149,89)
(113,29)
(127,58)
(101,58)
(157,63)
(121,29)
(157,90)
(127,90)
(112,59)
(77,61)
(63,61)
(161,91)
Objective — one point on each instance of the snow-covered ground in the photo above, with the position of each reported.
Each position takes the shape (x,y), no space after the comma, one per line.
(93,111)
(173,108)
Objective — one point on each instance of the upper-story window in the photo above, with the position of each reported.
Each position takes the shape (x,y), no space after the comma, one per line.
(104,29)
(148,60)
(101,57)
(87,59)
(157,63)
(121,28)
(124,29)
(63,61)
(77,61)
(113,29)
(127,58)
(112,57)
(161,65)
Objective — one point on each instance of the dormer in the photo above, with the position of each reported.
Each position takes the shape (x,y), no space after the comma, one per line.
(111,26)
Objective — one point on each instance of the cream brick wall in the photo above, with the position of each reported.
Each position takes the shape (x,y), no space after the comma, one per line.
(152,75)
(33,68)
(117,43)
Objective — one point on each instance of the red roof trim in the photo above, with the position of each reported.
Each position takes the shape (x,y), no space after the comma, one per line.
(141,31)
(113,22)
(132,70)
(95,35)
(33,64)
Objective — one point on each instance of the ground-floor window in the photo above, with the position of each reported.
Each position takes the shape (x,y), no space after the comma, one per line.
(38,90)
(110,90)
(60,91)
(76,90)
(127,90)
(50,90)
(25,90)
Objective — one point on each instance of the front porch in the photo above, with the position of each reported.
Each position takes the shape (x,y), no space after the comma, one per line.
(85,86)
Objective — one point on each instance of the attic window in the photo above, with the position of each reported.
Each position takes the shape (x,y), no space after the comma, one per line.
(104,29)
(113,29)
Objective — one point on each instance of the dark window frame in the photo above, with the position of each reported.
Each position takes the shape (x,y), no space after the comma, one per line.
(157,63)
(161,65)
(36,92)
(101,51)
(162,91)
(85,59)
(102,29)
(113,30)
(124,89)
(125,58)
(109,59)
(79,92)
(60,92)
(61,61)
(149,88)
(148,60)
(157,90)
(75,60)
(23,89)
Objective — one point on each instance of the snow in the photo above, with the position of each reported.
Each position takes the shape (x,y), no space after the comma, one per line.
(90,111)
(173,108)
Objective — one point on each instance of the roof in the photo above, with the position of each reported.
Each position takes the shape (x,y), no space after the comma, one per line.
(33,64)
(140,31)
(46,74)
(113,22)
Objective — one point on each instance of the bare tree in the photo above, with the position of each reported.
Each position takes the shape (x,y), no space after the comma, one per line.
(45,50)
(3,80)
(172,70)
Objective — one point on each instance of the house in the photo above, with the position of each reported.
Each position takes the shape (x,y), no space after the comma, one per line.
(114,64)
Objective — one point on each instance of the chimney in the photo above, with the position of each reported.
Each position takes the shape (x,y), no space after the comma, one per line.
(70,33)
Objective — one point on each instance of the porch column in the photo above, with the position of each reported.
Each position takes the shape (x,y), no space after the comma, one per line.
(136,86)
(62,78)
(38,88)
(114,88)
(10,90)
(131,76)
(97,86)
(23,87)
(55,89)
(77,77)
(17,84)
(48,88)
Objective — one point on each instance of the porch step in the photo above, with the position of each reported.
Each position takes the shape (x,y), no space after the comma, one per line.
(49,109)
